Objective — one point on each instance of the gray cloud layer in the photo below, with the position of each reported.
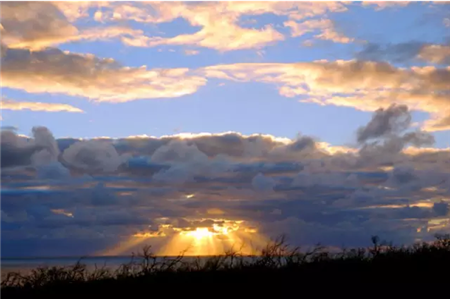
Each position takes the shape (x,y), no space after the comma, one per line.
(102,191)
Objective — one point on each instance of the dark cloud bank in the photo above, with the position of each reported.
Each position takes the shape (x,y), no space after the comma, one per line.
(73,197)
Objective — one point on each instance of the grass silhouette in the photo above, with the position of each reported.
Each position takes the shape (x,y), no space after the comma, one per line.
(279,267)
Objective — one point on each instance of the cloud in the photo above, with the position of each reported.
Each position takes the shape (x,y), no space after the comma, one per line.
(438,124)
(92,156)
(52,171)
(325,27)
(212,18)
(187,162)
(55,71)
(446,22)
(74,11)
(262,183)
(44,139)
(364,85)
(191,52)
(143,186)
(33,23)
(42,25)
(441,208)
(214,37)
(439,54)
(384,122)
(8,104)
(18,150)
(407,52)
(380,5)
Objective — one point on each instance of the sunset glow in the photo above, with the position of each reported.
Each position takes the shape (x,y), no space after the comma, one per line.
(202,127)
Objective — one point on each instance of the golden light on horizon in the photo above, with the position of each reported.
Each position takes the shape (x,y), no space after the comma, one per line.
(199,240)
(199,233)
(132,242)
(216,239)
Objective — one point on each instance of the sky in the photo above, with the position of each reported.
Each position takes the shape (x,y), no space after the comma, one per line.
(211,125)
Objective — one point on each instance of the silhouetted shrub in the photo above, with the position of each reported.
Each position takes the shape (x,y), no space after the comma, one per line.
(277,266)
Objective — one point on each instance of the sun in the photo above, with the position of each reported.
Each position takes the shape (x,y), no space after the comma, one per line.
(214,239)
(200,233)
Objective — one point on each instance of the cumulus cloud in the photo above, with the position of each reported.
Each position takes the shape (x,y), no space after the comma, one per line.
(302,187)
(261,183)
(52,171)
(15,150)
(92,156)
(384,122)
(18,150)
(187,162)
(44,139)
(55,71)
(8,104)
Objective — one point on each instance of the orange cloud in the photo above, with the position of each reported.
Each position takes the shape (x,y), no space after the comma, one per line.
(435,54)
(37,25)
(33,23)
(219,22)
(324,26)
(364,85)
(88,76)
(37,106)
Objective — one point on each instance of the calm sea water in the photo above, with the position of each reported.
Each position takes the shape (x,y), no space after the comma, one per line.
(25,265)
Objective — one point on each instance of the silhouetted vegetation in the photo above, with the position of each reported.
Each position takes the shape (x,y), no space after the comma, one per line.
(382,267)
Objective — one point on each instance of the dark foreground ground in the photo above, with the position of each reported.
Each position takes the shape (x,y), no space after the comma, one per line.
(421,270)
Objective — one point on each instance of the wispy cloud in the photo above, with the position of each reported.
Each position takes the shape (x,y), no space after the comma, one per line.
(380,5)
(325,27)
(218,22)
(8,104)
(191,52)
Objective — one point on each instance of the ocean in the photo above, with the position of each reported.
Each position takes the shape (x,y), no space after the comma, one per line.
(25,265)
